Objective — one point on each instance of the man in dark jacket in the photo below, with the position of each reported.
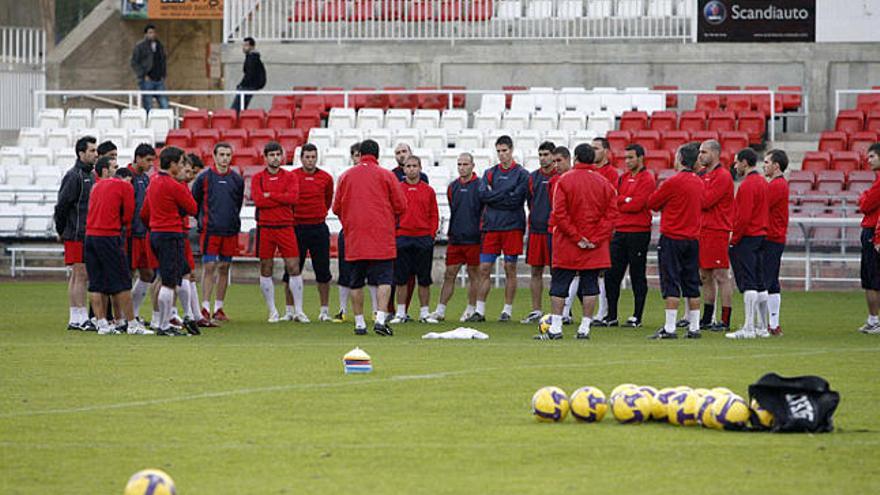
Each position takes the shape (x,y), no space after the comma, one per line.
(149,65)
(71,211)
(254,73)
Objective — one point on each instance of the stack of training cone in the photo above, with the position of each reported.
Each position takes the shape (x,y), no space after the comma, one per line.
(357,361)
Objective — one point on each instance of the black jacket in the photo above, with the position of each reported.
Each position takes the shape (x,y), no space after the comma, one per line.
(142,59)
(73,202)
(254,72)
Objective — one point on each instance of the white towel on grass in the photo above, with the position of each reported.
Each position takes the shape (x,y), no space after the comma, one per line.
(460,333)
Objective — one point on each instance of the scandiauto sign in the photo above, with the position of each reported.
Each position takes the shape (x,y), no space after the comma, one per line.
(757,21)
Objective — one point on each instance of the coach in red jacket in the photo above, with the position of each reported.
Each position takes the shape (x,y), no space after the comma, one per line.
(632,234)
(583,211)
(275,192)
(679,199)
(368,201)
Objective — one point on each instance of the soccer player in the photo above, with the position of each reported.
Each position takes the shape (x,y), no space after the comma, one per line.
(401,152)
(503,191)
(275,192)
(107,148)
(869,205)
(749,230)
(312,233)
(166,202)
(583,212)
(111,208)
(140,255)
(538,254)
(344,276)
(415,241)
(192,311)
(219,192)
(679,201)
(463,235)
(368,201)
(715,237)
(604,168)
(70,215)
(562,159)
(775,164)
(632,234)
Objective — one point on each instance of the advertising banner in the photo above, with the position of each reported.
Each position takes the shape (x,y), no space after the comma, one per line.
(756,21)
(172,9)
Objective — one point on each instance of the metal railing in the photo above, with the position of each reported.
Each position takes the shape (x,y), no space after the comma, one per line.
(22,45)
(455,20)
(840,94)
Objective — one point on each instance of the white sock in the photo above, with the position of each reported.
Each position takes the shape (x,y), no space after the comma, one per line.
(74,316)
(325,310)
(441,309)
(174,309)
(671,315)
(374,297)
(750,303)
(166,301)
(218,305)
(694,320)
(380,317)
(508,308)
(138,294)
(774,302)
(102,323)
(762,311)
(156,319)
(343,297)
(585,325)
(423,312)
(183,295)
(469,309)
(602,309)
(481,307)
(401,310)
(206,305)
(289,310)
(572,295)
(555,324)
(296,288)
(873,319)
(194,299)
(359,321)
(83,314)
(267,287)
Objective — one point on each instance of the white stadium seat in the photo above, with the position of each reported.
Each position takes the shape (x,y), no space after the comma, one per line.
(412,137)
(30,194)
(559,138)
(570,9)
(454,119)
(449,160)
(64,158)
(426,155)
(381,136)
(347,137)
(435,139)
(531,160)
(492,135)
(515,121)
(79,117)
(133,118)
(297,156)
(370,118)
(37,221)
(117,136)
(572,120)
(50,118)
(580,100)
(341,118)
(398,118)
(597,9)
(19,175)
(59,138)
(539,9)
(39,157)
(322,138)
(614,102)
(337,159)
(161,120)
(31,137)
(48,176)
(11,155)
(90,131)
(492,103)
(484,158)
(522,103)
(105,118)
(138,136)
(527,140)
(486,120)
(438,177)
(601,122)
(645,100)
(124,156)
(509,9)
(426,119)
(10,220)
(469,139)
(386,158)
(544,121)
(581,137)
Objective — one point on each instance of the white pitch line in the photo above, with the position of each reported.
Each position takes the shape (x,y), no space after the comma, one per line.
(426,376)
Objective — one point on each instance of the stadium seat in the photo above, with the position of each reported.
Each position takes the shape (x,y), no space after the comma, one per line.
(59,138)
(672,140)
(544,121)
(279,118)
(347,137)
(426,119)
(708,103)
(11,218)
(106,118)
(816,160)
(658,160)
(401,101)
(435,139)
(117,136)
(583,136)
(557,137)
(205,139)
(618,140)
(315,103)
(650,140)
(645,100)
(458,99)
(48,176)
(336,160)
(864,176)
(522,103)
(862,140)
(133,118)
(182,138)
(752,123)
(845,161)
(50,118)
(725,87)
(78,117)
(369,100)
(701,136)
(382,136)
(252,119)
(872,122)
(432,101)
(546,99)
(412,137)
(515,121)
(64,159)
(664,174)
(335,100)
(614,102)
(31,137)
(572,120)
(738,103)
(306,120)
(849,121)
(797,188)
(160,120)
(238,138)
(37,157)
(492,103)
(322,138)
(807,176)
(469,139)
(671,98)
(454,119)
(791,98)
(832,141)
(486,120)
(761,103)
(692,121)
(342,118)
(734,141)
(398,118)
(283,102)
(224,118)
(599,9)
(536,9)
(600,122)
(527,140)
(19,175)
(721,120)
(138,136)
(868,102)
(633,121)
(370,118)
(664,120)
(196,119)
(830,181)
(246,157)
(290,140)
(258,138)
(569,9)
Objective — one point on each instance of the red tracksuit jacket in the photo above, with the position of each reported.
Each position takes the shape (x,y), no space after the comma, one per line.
(609,172)
(869,205)
(679,199)
(111,207)
(315,196)
(633,214)
(421,217)
(368,201)
(718,201)
(777,208)
(583,206)
(283,189)
(751,208)
(167,200)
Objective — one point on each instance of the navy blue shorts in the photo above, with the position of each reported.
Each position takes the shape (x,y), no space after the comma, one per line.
(771,252)
(106,264)
(344,278)
(747,262)
(679,261)
(169,250)
(374,272)
(415,255)
(314,240)
(870,272)
(560,281)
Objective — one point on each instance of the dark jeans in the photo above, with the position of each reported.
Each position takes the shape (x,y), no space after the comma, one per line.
(148,98)
(628,249)
(237,101)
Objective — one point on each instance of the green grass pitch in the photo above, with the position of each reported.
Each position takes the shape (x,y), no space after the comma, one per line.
(254,408)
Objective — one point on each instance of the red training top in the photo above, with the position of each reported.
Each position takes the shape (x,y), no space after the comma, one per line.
(679,200)
(315,196)
(751,208)
(167,200)
(609,172)
(282,188)
(718,201)
(777,210)
(421,218)
(632,202)
(111,207)
(869,204)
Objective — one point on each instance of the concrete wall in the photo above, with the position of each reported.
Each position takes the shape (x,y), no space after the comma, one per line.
(20,14)
(819,68)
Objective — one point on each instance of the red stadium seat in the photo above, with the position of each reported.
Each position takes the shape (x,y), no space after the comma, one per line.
(858,187)
(671,98)
(182,138)
(259,137)
(832,141)
(279,118)
(753,124)
(791,100)
(618,140)
(196,119)
(432,101)
(363,10)
(830,187)
(799,188)
(845,161)
(312,104)
(826,235)
(739,103)
(508,98)
(633,121)
(692,121)
(658,160)
(727,158)
(722,120)
(872,123)
(850,121)
(816,161)
(762,104)
(708,103)
(701,136)
(868,102)
(290,139)
(401,101)
(672,140)
(650,140)
(334,99)
(802,176)
(830,181)
(664,120)
(252,119)
(862,176)
(306,120)
(224,118)
(479,11)
(246,157)
(861,141)
(734,141)
(458,99)
(287,102)
(237,138)
(205,139)
(369,100)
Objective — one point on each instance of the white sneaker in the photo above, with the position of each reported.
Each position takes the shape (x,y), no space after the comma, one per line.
(762,333)
(274,318)
(287,317)
(398,319)
(108,330)
(324,317)
(742,333)
(439,317)
(875,330)
(465,316)
(868,327)
(139,330)
(301,318)
(429,320)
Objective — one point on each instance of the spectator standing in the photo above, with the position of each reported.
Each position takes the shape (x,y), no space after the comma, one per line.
(149,64)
